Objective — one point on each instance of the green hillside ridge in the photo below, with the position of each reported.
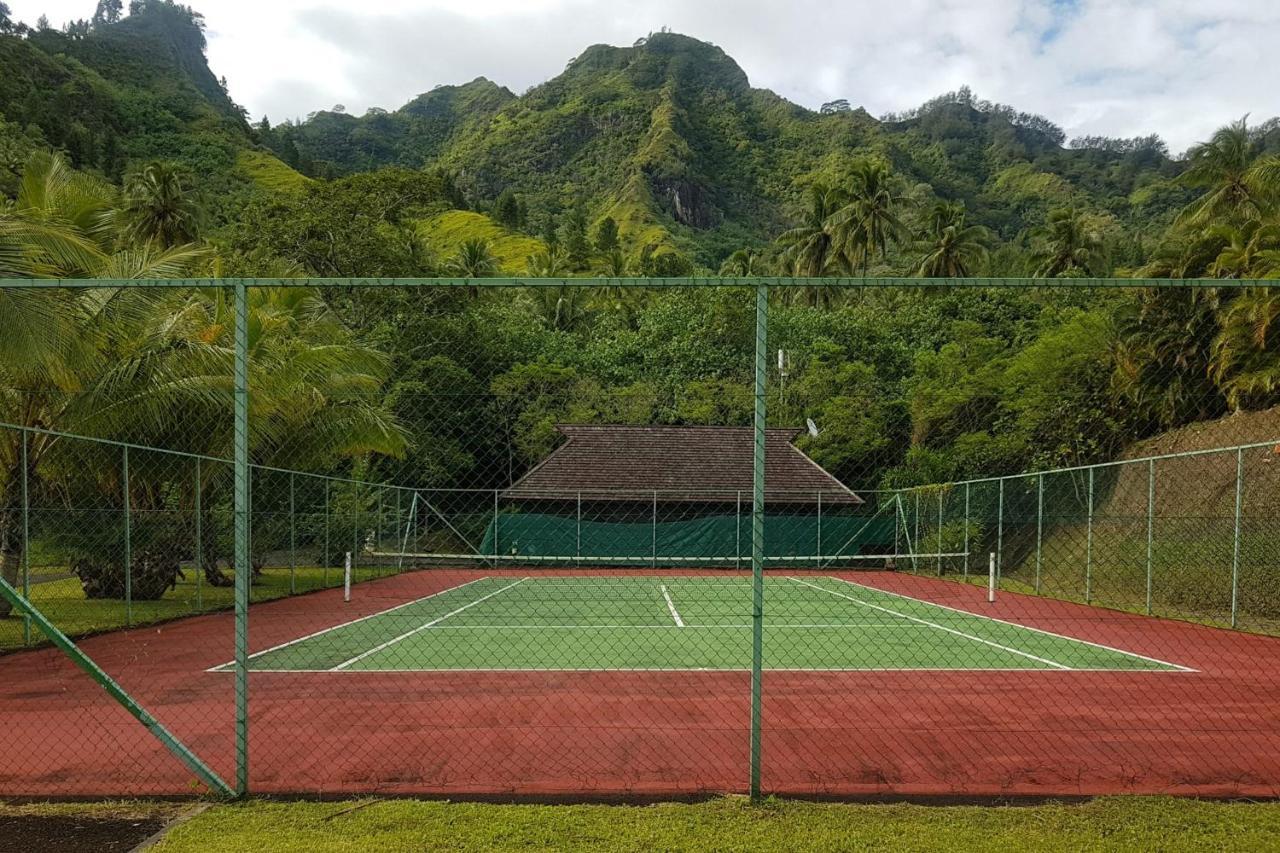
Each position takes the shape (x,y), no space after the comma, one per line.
(446,232)
(668,137)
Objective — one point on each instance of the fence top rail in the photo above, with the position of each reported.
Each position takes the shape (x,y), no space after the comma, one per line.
(688,281)
(1114,463)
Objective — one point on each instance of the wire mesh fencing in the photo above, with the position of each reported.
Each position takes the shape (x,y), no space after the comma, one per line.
(878,537)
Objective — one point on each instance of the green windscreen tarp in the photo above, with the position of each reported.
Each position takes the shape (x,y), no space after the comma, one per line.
(727,537)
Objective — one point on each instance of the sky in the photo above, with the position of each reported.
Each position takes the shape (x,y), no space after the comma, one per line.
(1180,68)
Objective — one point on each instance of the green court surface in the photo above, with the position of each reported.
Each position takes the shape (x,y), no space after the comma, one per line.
(812,622)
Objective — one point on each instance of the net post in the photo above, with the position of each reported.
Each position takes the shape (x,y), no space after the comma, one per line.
(241,548)
(128,544)
(991,578)
(1000,528)
(966,530)
(293,538)
(1039,528)
(757,533)
(199,561)
(1151,520)
(26,539)
(1088,545)
(1235,545)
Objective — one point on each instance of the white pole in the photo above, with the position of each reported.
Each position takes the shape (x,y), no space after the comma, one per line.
(991,578)
(346,578)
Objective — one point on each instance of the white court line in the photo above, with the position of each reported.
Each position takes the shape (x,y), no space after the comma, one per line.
(671,605)
(222,666)
(1016,625)
(939,669)
(672,627)
(420,628)
(967,636)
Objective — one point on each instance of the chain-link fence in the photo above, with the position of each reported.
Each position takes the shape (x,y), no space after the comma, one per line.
(875,537)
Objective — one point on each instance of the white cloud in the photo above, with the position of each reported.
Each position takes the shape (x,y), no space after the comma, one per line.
(1117,67)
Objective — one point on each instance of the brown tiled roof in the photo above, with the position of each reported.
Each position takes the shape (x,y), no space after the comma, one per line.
(682,463)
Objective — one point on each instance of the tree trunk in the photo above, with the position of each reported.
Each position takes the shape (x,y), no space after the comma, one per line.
(11,568)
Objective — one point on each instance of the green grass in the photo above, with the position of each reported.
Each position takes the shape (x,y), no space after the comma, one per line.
(1116,823)
(448,231)
(269,172)
(639,623)
(63,601)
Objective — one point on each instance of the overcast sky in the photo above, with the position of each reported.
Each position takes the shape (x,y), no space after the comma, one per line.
(1179,68)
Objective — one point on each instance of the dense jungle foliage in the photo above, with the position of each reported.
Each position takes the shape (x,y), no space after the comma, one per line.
(122,155)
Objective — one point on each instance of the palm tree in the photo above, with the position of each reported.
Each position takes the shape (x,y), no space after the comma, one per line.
(1238,182)
(808,250)
(952,249)
(1246,361)
(147,365)
(158,207)
(548,263)
(1069,246)
(744,263)
(474,260)
(1250,250)
(871,217)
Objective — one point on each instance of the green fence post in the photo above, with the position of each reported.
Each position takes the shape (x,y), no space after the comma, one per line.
(1088,545)
(241,549)
(199,562)
(940,491)
(293,538)
(578,547)
(26,541)
(1151,523)
(966,530)
(396,528)
(1235,549)
(757,533)
(114,690)
(819,564)
(128,545)
(1000,530)
(1039,529)
(653,550)
(737,533)
(495,528)
(324,574)
(355,529)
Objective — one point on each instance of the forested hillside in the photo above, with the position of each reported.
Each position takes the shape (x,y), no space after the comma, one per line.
(123,156)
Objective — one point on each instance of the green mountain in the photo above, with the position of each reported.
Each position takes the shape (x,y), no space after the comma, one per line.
(124,93)
(670,139)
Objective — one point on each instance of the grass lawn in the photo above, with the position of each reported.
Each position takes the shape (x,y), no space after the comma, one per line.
(1115,823)
(64,603)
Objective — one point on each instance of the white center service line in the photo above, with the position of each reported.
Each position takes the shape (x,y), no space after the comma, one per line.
(671,605)
(421,628)
(1019,652)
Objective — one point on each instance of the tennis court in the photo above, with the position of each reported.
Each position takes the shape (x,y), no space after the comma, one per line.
(662,622)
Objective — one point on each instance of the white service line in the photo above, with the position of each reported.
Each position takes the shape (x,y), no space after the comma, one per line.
(1176,666)
(222,666)
(967,636)
(420,628)
(671,605)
